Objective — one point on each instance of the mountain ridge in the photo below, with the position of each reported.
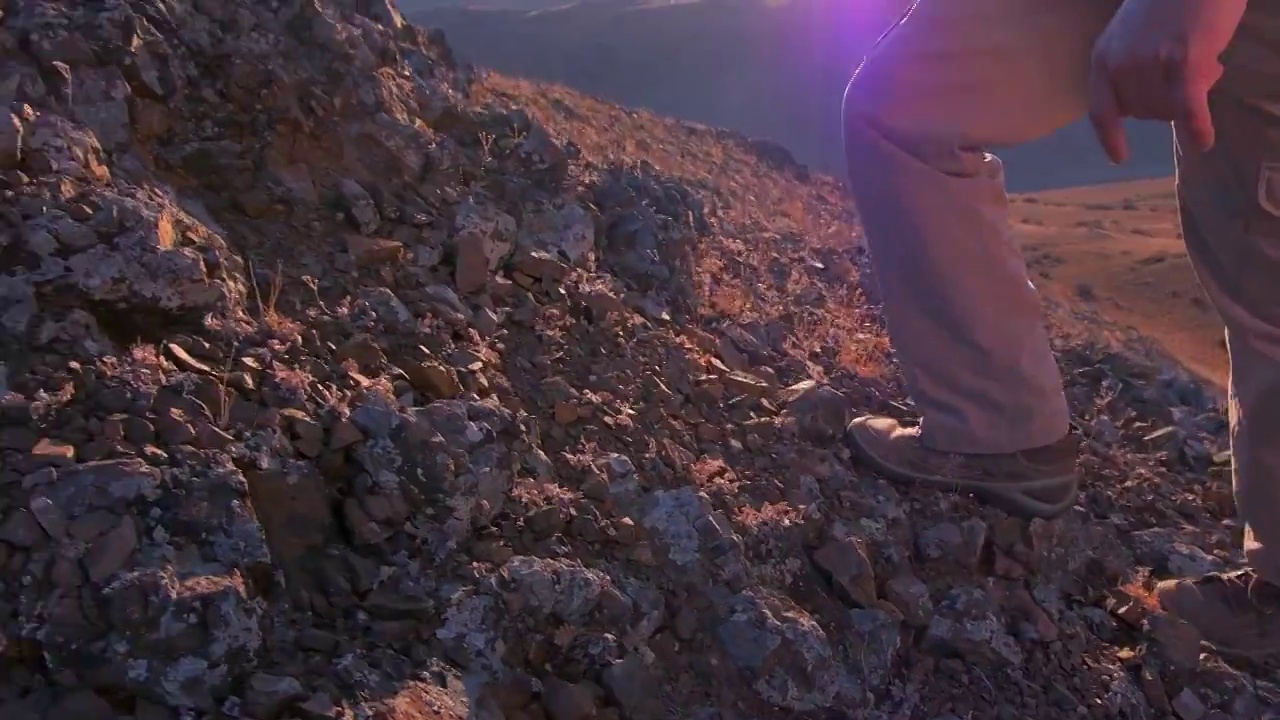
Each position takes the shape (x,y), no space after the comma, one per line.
(776,72)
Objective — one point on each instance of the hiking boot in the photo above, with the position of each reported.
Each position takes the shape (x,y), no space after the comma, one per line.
(1041,482)
(1237,613)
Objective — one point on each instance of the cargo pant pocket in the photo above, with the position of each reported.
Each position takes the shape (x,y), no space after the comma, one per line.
(1269,189)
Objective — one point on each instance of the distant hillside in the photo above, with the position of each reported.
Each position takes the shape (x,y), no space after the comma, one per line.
(410,6)
(768,69)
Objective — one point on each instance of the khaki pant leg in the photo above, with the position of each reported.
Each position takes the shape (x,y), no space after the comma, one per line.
(1230,204)
(953,78)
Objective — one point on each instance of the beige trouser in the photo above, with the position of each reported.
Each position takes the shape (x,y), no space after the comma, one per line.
(957,76)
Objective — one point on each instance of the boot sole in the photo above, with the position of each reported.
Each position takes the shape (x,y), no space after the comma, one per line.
(1014,500)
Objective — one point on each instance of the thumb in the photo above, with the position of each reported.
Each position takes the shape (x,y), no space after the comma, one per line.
(1104,113)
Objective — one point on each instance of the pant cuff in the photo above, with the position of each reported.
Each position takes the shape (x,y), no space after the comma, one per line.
(991,438)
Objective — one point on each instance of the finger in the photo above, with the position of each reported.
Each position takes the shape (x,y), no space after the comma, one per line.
(1148,97)
(1143,91)
(1106,117)
(1193,112)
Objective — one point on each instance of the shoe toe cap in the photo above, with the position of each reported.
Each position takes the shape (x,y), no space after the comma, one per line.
(1177,597)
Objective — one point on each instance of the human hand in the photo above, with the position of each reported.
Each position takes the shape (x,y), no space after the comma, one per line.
(1158,60)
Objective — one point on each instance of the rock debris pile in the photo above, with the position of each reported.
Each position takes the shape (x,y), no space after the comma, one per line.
(340,381)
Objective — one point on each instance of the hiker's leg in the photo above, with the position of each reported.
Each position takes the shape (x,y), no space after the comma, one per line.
(1230,202)
(1230,205)
(953,78)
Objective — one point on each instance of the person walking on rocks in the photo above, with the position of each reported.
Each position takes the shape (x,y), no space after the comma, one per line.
(956,76)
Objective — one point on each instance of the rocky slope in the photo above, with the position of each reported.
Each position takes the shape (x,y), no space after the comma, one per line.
(339,382)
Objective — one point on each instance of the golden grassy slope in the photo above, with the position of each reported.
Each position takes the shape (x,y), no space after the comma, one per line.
(1116,250)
